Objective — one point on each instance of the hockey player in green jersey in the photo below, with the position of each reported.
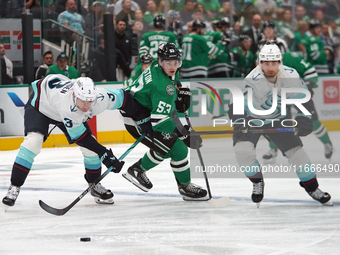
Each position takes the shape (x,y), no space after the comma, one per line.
(308,74)
(150,41)
(146,60)
(315,53)
(221,29)
(156,90)
(196,52)
(221,65)
(243,59)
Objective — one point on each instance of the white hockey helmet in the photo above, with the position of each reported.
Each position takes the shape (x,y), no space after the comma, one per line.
(270,52)
(84,89)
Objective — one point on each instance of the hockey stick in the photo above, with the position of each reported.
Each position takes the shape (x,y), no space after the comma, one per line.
(220,202)
(184,131)
(62,211)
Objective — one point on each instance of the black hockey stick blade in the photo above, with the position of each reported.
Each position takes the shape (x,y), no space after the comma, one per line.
(178,123)
(60,212)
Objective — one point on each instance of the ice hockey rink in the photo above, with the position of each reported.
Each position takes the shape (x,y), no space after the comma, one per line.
(160,222)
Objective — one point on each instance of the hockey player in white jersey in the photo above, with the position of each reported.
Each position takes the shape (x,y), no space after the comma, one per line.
(269,74)
(69,104)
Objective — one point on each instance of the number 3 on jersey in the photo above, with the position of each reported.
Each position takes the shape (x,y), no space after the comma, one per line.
(163,107)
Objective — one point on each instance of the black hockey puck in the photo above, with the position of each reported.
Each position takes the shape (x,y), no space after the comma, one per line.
(85,239)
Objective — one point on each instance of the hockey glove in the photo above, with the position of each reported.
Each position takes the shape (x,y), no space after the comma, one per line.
(304,124)
(109,160)
(183,99)
(192,141)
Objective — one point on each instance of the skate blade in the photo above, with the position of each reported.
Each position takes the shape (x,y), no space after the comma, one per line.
(133,181)
(6,207)
(329,203)
(258,205)
(219,202)
(104,201)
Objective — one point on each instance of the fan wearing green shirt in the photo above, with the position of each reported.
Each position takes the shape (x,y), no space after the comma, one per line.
(63,68)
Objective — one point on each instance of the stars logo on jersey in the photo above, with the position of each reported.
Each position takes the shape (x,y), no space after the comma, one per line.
(166,136)
(170,89)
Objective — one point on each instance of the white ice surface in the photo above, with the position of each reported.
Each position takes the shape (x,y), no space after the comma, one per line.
(160,222)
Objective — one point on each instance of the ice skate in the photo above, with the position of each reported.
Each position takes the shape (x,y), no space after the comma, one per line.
(270,156)
(101,195)
(328,150)
(11,196)
(258,190)
(320,196)
(192,192)
(138,177)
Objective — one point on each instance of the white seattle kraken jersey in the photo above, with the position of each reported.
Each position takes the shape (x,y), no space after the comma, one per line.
(53,97)
(262,90)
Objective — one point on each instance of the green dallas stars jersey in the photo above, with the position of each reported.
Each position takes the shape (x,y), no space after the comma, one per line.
(150,41)
(156,91)
(304,69)
(315,54)
(222,62)
(213,36)
(243,64)
(196,54)
(134,75)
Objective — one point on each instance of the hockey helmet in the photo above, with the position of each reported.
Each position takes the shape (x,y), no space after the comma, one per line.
(197,24)
(146,58)
(169,51)
(84,89)
(243,38)
(270,52)
(268,24)
(159,21)
(223,22)
(314,23)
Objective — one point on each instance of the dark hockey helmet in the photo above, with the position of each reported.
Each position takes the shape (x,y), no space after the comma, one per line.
(223,22)
(197,24)
(146,58)
(243,38)
(159,21)
(169,51)
(225,40)
(268,24)
(314,23)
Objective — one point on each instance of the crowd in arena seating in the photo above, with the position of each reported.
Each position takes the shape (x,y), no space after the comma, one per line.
(244,24)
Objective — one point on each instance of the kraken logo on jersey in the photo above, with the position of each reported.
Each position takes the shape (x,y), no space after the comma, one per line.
(170,89)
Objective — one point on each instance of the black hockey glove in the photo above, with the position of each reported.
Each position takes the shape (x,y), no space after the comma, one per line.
(304,124)
(241,128)
(183,99)
(109,160)
(192,141)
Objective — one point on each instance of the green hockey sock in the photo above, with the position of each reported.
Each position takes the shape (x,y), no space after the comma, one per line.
(320,131)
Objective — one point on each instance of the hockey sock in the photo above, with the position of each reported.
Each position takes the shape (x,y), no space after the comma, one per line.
(92,168)
(272,145)
(310,185)
(22,166)
(150,160)
(179,162)
(320,131)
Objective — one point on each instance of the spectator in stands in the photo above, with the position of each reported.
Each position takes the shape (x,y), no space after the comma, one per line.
(47,62)
(151,12)
(319,15)
(119,6)
(175,23)
(284,29)
(123,43)
(269,34)
(126,14)
(300,14)
(198,15)
(300,35)
(6,68)
(187,12)
(254,32)
(261,5)
(137,32)
(328,42)
(94,23)
(71,19)
(139,16)
(100,71)
(225,11)
(207,15)
(212,7)
(285,4)
(63,68)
